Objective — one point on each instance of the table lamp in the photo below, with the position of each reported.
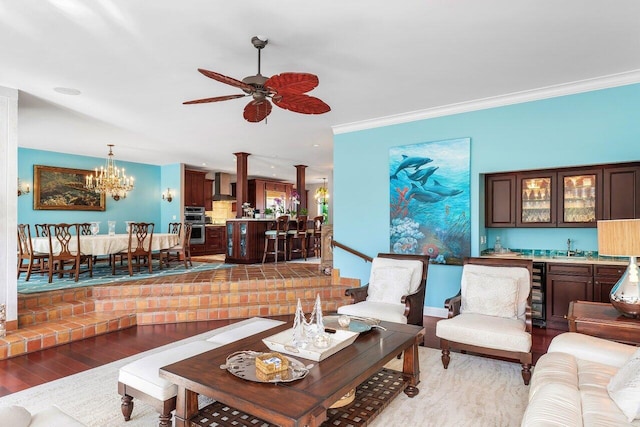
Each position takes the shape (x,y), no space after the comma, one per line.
(622,238)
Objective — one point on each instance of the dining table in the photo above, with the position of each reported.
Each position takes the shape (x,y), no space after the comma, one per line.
(105,244)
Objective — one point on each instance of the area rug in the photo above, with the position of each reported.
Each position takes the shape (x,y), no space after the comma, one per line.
(474,391)
(102,274)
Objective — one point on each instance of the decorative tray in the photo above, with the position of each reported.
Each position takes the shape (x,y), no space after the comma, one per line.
(356,324)
(282,343)
(242,364)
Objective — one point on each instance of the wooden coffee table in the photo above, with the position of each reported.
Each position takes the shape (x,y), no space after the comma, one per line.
(298,403)
(604,321)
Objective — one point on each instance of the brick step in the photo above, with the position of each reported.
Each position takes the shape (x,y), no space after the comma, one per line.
(55,311)
(55,332)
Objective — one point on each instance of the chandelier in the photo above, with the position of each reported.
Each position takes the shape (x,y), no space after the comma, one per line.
(322,193)
(109,179)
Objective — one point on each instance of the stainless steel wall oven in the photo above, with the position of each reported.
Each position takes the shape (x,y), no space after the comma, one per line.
(195,216)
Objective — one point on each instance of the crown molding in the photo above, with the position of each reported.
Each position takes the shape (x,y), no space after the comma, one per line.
(587,85)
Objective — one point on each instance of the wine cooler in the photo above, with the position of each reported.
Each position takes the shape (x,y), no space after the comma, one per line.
(538,295)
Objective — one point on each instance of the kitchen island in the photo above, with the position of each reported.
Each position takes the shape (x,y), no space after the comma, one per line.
(245,239)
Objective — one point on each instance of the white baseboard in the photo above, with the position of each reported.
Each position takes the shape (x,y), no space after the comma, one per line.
(436,312)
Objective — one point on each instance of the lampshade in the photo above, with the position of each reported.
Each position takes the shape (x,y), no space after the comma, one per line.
(622,238)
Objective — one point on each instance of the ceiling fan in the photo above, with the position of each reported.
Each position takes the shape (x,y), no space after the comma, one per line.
(286,90)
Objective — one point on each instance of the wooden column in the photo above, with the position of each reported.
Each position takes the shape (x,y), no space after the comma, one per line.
(300,186)
(242,183)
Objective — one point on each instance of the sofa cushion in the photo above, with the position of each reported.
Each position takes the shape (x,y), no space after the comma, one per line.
(485,331)
(554,405)
(15,416)
(53,416)
(378,310)
(560,368)
(624,387)
(389,284)
(489,295)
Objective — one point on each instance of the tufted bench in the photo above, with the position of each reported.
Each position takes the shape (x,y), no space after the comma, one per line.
(139,379)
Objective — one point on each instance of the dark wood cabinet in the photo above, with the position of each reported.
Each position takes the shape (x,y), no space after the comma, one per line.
(245,240)
(621,194)
(262,192)
(194,188)
(215,240)
(604,278)
(208,194)
(567,197)
(565,283)
(500,207)
(536,199)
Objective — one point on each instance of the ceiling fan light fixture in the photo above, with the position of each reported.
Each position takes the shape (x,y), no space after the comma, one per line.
(259,42)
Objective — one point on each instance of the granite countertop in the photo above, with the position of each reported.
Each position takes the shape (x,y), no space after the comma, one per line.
(251,219)
(567,260)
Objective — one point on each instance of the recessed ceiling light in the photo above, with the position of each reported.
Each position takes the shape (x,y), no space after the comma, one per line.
(316,145)
(67,90)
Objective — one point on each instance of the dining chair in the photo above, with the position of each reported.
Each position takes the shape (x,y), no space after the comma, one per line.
(299,235)
(182,251)
(139,247)
(42,230)
(163,254)
(64,248)
(36,261)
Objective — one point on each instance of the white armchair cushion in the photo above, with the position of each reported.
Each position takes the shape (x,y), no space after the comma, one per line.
(377,310)
(413,265)
(485,331)
(624,387)
(389,284)
(15,416)
(518,273)
(489,295)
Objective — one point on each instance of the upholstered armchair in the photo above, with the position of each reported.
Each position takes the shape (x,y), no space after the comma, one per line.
(492,313)
(395,292)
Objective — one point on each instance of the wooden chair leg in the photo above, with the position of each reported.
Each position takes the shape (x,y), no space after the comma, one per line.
(526,373)
(126,406)
(444,345)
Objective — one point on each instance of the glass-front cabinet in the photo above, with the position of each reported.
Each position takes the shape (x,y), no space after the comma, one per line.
(536,200)
(579,194)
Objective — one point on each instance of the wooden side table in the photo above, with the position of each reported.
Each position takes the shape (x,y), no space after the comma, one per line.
(604,321)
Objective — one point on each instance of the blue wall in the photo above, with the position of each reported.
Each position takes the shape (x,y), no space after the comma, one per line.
(588,128)
(144,202)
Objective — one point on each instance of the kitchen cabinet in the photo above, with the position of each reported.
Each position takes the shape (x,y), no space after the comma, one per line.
(194,188)
(564,197)
(621,194)
(565,283)
(536,199)
(604,278)
(580,195)
(245,240)
(208,194)
(500,207)
(215,240)
(263,192)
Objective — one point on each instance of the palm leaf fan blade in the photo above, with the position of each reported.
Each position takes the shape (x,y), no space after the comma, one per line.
(301,103)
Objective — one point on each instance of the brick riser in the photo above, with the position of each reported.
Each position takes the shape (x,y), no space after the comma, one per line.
(59,317)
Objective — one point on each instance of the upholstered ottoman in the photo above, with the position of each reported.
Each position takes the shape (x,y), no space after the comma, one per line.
(140,379)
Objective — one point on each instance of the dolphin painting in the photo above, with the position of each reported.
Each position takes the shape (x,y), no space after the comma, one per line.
(410,162)
(423,195)
(422,175)
(442,190)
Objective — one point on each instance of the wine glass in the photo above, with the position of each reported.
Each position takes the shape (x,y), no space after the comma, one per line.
(95,228)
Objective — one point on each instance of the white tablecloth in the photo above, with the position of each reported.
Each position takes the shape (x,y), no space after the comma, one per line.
(103,244)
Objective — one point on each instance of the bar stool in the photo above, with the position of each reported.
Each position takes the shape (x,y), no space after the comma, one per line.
(276,236)
(316,234)
(299,235)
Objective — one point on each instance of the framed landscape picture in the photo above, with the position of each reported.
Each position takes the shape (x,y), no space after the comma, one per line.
(57,188)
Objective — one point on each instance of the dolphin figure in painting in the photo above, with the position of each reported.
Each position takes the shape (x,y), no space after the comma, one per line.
(422,175)
(410,162)
(442,190)
(423,195)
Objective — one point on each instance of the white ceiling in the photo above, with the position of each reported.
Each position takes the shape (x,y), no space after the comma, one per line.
(136,61)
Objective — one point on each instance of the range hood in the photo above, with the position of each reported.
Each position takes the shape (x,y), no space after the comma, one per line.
(222,187)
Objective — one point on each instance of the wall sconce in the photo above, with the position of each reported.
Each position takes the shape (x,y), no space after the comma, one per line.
(167,195)
(23,190)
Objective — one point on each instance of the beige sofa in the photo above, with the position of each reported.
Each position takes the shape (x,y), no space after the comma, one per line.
(569,384)
(52,416)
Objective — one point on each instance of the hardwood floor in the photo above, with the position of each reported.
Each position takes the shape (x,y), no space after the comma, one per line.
(26,371)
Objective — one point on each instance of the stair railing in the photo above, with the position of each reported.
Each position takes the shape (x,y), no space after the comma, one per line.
(365,258)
